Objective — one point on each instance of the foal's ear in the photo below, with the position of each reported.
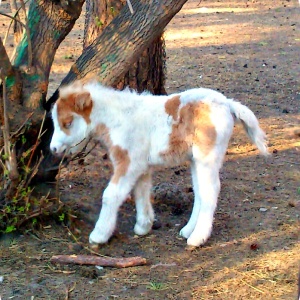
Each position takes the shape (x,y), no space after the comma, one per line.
(82,101)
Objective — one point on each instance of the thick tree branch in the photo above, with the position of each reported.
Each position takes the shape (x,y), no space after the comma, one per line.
(122,41)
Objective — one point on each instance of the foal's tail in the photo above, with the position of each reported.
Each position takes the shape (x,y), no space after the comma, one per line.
(251,125)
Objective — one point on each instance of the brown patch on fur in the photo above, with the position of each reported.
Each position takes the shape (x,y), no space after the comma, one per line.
(102,132)
(121,161)
(65,116)
(205,131)
(79,103)
(194,127)
(118,155)
(172,106)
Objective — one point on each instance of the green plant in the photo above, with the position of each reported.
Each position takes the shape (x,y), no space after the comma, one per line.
(112,10)
(61,217)
(68,56)
(263,43)
(23,206)
(98,22)
(10,228)
(157,286)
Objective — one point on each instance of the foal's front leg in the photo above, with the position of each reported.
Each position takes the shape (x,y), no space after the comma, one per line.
(144,210)
(113,197)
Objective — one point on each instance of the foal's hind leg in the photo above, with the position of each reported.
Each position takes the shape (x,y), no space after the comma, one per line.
(190,226)
(144,210)
(208,188)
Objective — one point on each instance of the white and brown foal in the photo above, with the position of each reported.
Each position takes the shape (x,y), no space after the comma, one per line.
(142,131)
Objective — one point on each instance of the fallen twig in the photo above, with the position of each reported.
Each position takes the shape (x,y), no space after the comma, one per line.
(291,162)
(99,261)
(163,265)
(60,271)
(253,287)
(69,290)
(82,245)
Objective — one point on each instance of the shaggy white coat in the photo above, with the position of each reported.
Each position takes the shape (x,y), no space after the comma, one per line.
(139,125)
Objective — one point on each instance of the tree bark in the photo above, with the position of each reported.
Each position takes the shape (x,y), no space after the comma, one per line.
(49,24)
(99,13)
(148,71)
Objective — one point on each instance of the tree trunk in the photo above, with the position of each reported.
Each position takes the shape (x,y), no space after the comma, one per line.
(99,13)
(46,34)
(28,83)
(49,22)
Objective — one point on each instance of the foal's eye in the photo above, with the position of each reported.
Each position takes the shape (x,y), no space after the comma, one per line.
(67,125)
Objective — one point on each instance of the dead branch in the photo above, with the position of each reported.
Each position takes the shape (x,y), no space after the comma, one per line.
(83,153)
(122,262)
(34,170)
(37,142)
(9,150)
(13,18)
(18,29)
(69,290)
(20,130)
(58,178)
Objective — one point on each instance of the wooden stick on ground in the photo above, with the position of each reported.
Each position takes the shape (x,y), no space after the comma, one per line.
(99,261)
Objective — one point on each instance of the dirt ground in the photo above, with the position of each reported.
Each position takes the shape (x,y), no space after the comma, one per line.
(250,51)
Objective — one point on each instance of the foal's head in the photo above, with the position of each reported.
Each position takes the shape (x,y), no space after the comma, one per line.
(71,119)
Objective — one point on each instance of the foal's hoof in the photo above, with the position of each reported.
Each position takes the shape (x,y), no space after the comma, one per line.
(186,232)
(196,240)
(142,230)
(93,246)
(96,237)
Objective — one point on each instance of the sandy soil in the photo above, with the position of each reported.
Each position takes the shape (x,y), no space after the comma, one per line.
(250,51)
